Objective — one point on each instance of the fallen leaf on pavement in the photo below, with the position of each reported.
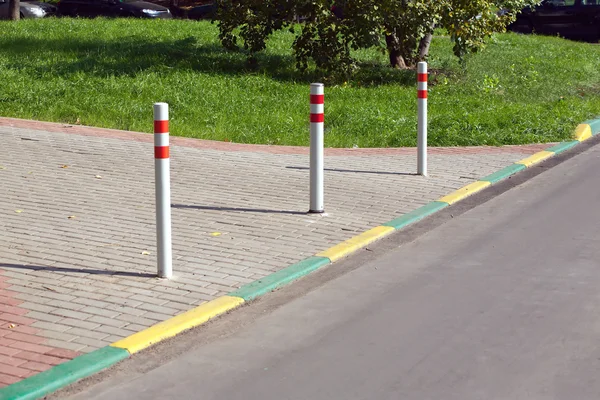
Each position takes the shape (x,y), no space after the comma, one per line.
(145,253)
(64,166)
(215,234)
(71,217)
(10,326)
(18,211)
(98,177)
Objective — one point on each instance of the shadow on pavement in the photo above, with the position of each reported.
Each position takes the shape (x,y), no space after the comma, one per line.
(357,171)
(76,270)
(254,210)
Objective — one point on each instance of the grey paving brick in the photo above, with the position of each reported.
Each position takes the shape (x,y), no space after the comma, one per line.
(122,301)
(62,336)
(117,323)
(149,300)
(185,299)
(84,301)
(221,288)
(61,344)
(125,310)
(120,332)
(103,312)
(37,307)
(94,343)
(64,313)
(65,305)
(179,306)
(77,332)
(129,319)
(159,317)
(43,316)
(153,308)
(50,326)
(77,323)
(136,327)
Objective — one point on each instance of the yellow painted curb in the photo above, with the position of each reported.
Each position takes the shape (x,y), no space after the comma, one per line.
(536,158)
(583,132)
(343,249)
(464,192)
(178,324)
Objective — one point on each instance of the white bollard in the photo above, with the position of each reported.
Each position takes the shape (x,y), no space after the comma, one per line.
(162,167)
(317,118)
(422,119)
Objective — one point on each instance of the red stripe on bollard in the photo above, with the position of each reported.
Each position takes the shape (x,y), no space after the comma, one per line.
(317,117)
(422,94)
(161,126)
(161,152)
(317,99)
(422,77)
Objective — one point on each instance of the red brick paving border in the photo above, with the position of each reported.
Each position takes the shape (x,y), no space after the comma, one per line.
(22,352)
(225,146)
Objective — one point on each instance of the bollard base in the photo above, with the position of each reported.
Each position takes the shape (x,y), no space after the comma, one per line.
(316,211)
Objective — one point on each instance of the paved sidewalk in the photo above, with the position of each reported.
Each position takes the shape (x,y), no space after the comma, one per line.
(77,235)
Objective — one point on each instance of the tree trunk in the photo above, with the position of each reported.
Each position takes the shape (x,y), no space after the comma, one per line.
(396,57)
(424,47)
(14,9)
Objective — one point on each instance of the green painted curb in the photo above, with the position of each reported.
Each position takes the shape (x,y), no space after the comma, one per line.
(503,173)
(564,146)
(64,374)
(416,215)
(595,125)
(271,282)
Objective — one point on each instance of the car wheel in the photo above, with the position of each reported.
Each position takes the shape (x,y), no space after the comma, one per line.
(21,16)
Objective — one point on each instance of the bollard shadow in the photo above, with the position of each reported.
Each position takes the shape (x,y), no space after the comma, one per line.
(357,171)
(77,270)
(238,209)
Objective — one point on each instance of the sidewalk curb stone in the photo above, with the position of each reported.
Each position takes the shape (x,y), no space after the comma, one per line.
(86,365)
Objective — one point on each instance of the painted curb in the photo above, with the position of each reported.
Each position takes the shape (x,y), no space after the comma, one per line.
(182,322)
(357,242)
(83,366)
(416,215)
(280,278)
(503,173)
(63,374)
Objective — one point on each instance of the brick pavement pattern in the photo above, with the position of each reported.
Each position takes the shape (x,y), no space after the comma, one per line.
(77,233)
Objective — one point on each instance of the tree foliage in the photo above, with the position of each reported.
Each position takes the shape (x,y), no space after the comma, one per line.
(331,29)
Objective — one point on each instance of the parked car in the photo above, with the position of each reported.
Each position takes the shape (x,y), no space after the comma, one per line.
(29,9)
(573,19)
(205,11)
(111,8)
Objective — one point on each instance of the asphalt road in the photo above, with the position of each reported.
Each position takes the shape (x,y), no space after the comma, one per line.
(501,302)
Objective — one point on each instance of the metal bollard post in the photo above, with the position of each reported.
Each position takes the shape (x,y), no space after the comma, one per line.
(162,167)
(422,119)
(317,118)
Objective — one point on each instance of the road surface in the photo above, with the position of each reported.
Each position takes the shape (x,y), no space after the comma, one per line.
(501,302)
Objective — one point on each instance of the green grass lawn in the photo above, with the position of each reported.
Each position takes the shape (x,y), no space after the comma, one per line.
(107,73)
